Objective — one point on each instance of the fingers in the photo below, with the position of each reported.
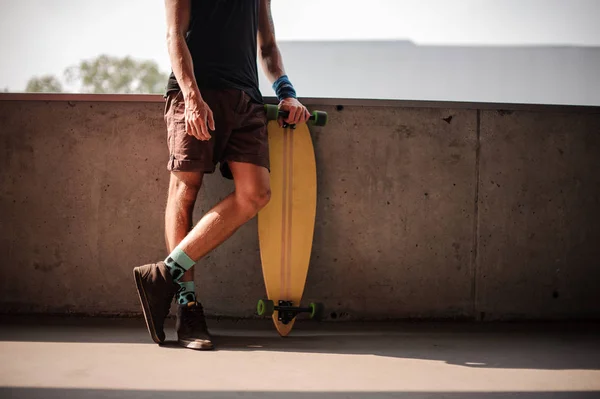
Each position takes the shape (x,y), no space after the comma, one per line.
(190,128)
(298,115)
(199,127)
(194,128)
(197,124)
(296,112)
(211,120)
(306,116)
(291,118)
(203,128)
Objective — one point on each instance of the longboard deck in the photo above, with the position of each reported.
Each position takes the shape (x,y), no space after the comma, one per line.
(286,224)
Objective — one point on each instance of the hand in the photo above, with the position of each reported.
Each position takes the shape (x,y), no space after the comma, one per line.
(197,116)
(298,112)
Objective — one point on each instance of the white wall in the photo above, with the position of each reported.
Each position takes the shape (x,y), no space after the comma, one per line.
(403,70)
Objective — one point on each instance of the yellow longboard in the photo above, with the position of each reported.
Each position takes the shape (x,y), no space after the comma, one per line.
(286,224)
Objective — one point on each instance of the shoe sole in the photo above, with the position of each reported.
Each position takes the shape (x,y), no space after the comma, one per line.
(145,308)
(196,345)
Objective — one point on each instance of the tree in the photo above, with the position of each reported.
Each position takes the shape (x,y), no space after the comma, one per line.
(44,84)
(106,74)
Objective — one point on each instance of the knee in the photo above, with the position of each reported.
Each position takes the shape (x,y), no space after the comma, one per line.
(183,191)
(263,198)
(255,200)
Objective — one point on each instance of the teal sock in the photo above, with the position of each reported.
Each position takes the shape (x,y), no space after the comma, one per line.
(178,263)
(186,292)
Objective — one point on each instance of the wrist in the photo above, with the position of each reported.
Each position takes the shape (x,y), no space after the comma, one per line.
(191,94)
(283,88)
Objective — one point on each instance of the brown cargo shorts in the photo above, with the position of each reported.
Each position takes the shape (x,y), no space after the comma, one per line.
(240,133)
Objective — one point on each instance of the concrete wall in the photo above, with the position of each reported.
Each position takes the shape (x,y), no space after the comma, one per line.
(427,212)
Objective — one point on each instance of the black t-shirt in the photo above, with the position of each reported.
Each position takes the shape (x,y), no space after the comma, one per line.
(222,41)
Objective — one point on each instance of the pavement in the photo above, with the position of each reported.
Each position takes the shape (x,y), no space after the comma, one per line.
(74,357)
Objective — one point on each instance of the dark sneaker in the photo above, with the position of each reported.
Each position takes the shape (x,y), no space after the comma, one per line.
(156,289)
(191,327)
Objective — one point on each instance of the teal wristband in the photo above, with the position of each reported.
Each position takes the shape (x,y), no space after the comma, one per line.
(284,88)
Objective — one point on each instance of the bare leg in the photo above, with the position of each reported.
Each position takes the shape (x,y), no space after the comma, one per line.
(183,191)
(252,193)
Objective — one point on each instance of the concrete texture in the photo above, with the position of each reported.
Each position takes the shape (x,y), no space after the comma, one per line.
(395,212)
(539,197)
(115,359)
(399,232)
(83,190)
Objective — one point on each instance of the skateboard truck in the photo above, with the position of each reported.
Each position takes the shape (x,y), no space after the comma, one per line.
(317,118)
(286,311)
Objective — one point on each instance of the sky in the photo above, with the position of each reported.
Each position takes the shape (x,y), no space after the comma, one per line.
(40,37)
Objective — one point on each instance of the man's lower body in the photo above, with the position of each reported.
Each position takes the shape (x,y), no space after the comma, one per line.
(240,145)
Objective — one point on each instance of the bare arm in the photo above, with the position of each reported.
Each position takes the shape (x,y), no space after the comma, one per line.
(197,112)
(178,20)
(268,51)
(272,62)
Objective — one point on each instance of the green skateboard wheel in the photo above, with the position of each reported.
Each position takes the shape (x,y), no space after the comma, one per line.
(316,310)
(265,307)
(320,118)
(272,111)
